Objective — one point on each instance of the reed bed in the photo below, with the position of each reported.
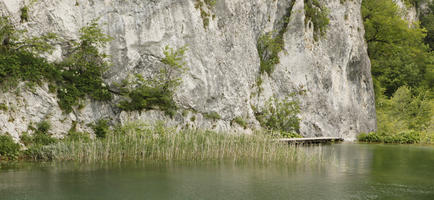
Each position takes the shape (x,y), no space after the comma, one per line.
(156,143)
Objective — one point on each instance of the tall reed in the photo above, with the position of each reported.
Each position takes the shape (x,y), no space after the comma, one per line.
(141,142)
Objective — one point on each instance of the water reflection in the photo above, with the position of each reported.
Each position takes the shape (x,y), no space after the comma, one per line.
(355,172)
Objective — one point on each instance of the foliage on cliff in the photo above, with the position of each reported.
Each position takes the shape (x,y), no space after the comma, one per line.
(83,68)
(78,76)
(156,93)
(398,52)
(402,68)
(427,21)
(205,7)
(19,60)
(316,13)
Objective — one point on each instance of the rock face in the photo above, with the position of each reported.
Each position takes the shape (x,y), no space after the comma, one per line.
(409,14)
(223,62)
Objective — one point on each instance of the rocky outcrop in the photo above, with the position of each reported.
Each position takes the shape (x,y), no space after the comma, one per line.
(222,60)
(409,14)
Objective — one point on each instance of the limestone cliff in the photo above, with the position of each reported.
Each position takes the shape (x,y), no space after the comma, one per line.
(223,62)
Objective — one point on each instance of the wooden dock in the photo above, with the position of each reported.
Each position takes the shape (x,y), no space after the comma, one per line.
(317,140)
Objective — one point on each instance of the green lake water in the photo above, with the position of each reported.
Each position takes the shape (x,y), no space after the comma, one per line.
(357,171)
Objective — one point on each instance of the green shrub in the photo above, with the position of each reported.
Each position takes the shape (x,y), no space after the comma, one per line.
(26,139)
(40,137)
(210,3)
(156,93)
(78,76)
(269,48)
(240,121)
(212,115)
(145,97)
(24,14)
(427,22)
(9,150)
(370,137)
(290,135)
(397,50)
(205,7)
(407,111)
(83,69)
(280,116)
(3,107)
(19,60)
(39,152)
(101,128)
(43,127)
(271,44)
(404,137)
(415,3)
(78,136)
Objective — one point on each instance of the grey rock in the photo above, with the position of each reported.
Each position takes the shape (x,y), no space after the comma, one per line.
(223,62)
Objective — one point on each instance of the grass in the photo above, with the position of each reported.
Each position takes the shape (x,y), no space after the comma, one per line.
(136,141)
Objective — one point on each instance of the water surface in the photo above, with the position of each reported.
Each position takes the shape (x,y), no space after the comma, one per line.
(357,171)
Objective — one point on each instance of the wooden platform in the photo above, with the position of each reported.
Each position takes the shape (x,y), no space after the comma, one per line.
(317,140)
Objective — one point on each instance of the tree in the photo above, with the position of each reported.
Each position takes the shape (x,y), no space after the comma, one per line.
(397,51)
